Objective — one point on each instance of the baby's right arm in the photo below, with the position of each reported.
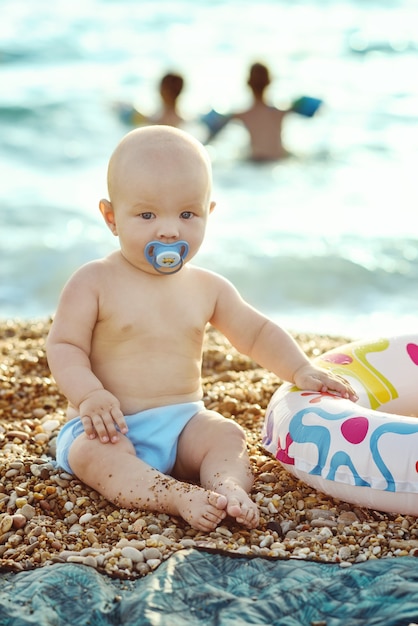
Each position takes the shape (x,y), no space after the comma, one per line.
(68,348)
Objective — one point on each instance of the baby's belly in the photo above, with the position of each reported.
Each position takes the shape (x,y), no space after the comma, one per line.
(130,405)
(138,389)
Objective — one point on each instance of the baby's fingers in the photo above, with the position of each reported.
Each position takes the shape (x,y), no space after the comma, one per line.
(88,427)
(105,425)
(119,420)
(100,425)
(341,386)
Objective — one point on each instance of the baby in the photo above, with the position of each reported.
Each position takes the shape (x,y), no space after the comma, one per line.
(125,346)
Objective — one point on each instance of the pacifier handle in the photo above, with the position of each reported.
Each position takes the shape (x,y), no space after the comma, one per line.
(169,256)
(176,269)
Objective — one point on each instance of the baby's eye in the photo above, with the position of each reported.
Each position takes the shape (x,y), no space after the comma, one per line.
(186,215)
(147,215)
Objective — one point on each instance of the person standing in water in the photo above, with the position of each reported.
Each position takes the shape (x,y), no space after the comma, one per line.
(170,88)
(263,121)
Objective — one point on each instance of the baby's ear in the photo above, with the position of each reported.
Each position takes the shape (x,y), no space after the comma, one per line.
(106,209)
(212,206)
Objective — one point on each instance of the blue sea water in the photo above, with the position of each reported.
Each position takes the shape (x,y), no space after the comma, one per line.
(324,242)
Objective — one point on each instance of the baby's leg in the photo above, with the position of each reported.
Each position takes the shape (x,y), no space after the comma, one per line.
(115,471)
(213,449)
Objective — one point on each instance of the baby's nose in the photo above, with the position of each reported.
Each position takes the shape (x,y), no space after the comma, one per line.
(168,230)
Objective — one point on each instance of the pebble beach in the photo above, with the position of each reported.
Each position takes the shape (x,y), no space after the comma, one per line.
(47,516)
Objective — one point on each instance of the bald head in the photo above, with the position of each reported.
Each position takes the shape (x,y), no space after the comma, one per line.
(161,148)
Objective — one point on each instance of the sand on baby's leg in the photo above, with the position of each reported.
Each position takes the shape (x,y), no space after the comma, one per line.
(213,451)
(115,471)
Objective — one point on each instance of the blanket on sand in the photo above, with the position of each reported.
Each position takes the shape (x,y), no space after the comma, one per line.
(213,589)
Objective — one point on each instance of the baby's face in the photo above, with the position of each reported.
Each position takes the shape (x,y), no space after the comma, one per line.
(166,199)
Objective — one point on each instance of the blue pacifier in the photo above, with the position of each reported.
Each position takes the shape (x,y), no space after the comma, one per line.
(166,258)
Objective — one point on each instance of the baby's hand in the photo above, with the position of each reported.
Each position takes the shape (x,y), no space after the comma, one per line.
(317,379)
(100,414)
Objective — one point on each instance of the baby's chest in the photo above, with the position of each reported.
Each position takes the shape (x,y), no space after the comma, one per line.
(147,320)
(154,308)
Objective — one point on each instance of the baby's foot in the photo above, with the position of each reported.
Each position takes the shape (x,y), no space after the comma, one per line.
(202,509)
(244,510)
(240,506)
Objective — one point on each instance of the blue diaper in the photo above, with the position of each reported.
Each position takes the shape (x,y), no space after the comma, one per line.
(154,434)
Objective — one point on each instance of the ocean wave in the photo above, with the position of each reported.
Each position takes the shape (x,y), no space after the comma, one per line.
(33,279)
(321,280)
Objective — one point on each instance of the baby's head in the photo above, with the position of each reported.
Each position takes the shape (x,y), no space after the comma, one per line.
(158,153)
(160,186)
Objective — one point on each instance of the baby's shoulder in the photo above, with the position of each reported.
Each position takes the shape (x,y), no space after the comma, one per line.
(91,268)
(91,273)
(201,273)
(206,279)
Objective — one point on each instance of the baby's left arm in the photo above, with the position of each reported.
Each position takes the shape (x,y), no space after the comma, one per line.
(269,345)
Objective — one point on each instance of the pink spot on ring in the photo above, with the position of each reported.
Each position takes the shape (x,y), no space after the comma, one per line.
(283,454)
(339,357)
(412,350)
(354,430)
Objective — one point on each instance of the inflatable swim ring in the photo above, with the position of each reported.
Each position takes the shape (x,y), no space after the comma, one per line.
(363,452)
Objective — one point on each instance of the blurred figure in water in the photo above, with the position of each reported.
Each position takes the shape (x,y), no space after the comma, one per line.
(262,121)
(170,87)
